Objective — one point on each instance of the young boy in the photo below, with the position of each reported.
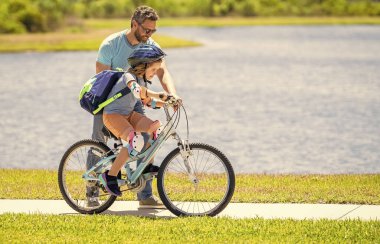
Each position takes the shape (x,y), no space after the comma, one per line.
(119,116)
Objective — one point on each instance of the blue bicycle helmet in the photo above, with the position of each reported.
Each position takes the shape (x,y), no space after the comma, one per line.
(145,54)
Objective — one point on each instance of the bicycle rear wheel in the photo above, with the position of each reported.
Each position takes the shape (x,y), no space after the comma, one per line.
(75,190)
(206,192)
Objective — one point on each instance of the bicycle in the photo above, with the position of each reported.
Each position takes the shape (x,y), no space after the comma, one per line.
(195,179)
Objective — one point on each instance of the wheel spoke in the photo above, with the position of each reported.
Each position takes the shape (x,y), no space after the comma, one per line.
(180,163)
(204,166)
(75,162)
(208,196)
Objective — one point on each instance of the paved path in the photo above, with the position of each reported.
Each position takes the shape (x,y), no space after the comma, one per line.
(234,210)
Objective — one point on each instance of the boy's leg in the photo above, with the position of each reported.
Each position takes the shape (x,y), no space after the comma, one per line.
(144,124)
(121,127)
(132,143)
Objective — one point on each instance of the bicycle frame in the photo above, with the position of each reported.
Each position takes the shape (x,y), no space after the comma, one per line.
(187,160)
(146,156)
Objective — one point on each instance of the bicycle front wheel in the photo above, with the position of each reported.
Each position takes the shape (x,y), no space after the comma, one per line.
(201,185)
(82,195)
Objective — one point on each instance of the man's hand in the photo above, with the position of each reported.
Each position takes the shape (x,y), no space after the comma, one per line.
(172,99)
(178,102)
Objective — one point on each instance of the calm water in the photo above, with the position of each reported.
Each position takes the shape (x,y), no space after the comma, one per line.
(273,99)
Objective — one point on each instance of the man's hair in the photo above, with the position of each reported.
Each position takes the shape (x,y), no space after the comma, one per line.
(144,12)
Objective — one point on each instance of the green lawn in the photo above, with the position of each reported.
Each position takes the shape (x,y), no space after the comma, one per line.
(126,229)
(42,184)
(355,189)
(91,32)
(62,41)
(237,21)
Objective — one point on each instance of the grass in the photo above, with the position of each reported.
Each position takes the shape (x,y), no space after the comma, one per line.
(62,41)
(89,35)
(355,189)
(42,184)
(239,21)
(107,228)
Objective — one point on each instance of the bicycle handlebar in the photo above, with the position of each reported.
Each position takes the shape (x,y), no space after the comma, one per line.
(177,106)
(172,101)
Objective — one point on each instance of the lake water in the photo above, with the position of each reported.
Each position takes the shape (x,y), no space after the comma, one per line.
(273,99)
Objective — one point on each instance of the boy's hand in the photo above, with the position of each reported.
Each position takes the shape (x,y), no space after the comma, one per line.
(171,99)
(165,97)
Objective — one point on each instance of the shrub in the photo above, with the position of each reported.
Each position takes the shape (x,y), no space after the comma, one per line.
(10,26)
(374,9)
(48,15)
(359,8)
(54,12)
(16,6)
(334,7)
(32,20)
(110,9)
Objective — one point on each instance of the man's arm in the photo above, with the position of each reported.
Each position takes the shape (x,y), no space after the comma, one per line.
(100,67)
(166,79)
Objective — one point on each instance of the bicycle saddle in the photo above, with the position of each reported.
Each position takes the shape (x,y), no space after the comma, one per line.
(108,133)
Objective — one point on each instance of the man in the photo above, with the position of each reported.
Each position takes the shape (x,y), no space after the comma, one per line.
(113,53)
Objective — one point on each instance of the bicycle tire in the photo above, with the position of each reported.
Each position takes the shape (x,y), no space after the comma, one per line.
(168,197)
(74,204)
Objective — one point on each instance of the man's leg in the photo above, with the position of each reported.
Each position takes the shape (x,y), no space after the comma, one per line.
(92,192)
(147,191)
(97,133)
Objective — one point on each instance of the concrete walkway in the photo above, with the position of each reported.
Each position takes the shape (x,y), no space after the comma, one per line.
(234,210)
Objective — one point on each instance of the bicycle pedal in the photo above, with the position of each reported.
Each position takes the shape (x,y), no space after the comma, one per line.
(103,188)
(153,169)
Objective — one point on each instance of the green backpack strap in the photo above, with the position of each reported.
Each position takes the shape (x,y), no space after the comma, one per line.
(118,95)
(87,87)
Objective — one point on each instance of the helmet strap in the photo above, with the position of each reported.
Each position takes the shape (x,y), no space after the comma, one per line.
(146,81)
(144,76)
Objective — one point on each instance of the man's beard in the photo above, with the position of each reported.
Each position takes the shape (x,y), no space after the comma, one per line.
(139,37)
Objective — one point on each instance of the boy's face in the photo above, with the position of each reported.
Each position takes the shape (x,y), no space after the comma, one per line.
(152,69)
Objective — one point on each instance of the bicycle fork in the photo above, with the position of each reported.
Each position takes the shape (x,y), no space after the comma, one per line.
(185,151)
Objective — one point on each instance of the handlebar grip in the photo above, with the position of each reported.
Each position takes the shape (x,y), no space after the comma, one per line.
(170,99)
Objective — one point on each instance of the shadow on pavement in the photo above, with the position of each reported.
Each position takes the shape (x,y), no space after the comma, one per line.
(141,212)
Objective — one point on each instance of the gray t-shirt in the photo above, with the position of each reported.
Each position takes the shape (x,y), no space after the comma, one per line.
(126,104)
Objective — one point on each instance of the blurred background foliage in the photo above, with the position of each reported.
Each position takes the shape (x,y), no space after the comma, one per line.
(20,16)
